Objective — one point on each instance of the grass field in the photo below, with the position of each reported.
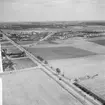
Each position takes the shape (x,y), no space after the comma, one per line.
(23,63)
(34,87)
(3,40)
(80,67)
(47,42)
(96,85)
(100,41)
(25,42)
(13,50)
(6,44)
(52,53)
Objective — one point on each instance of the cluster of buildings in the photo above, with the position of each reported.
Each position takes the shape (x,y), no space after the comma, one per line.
(70,34)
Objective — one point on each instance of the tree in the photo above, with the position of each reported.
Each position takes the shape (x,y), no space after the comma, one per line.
(23,54)
(40,58)
(45,62)
(1,35)
(4,52)
(8,64)
(76,80)
(58,70)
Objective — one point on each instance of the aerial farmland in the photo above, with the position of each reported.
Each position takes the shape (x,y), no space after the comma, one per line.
(37,59)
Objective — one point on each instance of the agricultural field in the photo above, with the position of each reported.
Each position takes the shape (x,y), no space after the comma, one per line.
(47,43)
(25,42)
(23,63)
(18,62)
(34,87)
(13,50)
(75,55)
(6,44)
(52,53)
(80,67)
(96,85)
(99,41)
(3,40)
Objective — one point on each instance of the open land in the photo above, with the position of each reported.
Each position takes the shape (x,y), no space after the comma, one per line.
(19,63)
(23,63)
(80,67)
(75,56)
(6,44)
(34,87)
(13,50)
(52,53)
(99,41)
(25,42)
(96,85)
(74,65)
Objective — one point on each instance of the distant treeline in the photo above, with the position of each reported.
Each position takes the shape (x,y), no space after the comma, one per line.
(28,25)
(93,23)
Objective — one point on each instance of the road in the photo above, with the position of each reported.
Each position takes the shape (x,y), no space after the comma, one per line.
(63,82)
(49,35)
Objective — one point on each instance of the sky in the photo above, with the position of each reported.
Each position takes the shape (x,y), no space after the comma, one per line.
(51,10)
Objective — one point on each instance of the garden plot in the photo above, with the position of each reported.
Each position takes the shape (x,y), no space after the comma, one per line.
(23,63)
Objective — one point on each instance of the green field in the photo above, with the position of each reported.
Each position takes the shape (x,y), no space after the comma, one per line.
(25,42)
(6,44)
(23,63)
(96,85)
(100,41)
(52,53)
(13,50)
(34,87)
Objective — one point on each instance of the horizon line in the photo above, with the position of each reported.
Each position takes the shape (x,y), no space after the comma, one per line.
(53,21)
